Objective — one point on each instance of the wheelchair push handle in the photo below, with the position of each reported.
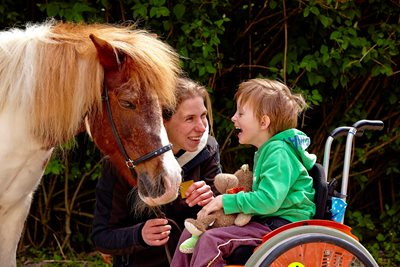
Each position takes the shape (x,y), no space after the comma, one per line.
(373,125)
(340,131)
(357,129)
(361,125)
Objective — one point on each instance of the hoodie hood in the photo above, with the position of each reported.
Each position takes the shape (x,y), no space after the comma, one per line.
(299,141)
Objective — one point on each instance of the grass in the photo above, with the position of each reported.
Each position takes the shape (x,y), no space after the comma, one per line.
(39,258)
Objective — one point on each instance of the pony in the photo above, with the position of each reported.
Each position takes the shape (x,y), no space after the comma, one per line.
(54,76)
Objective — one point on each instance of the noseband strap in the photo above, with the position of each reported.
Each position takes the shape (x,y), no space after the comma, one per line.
(131,164)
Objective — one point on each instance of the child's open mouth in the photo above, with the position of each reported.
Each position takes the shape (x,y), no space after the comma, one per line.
(238,130)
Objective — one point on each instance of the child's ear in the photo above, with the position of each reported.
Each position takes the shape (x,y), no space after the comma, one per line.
(265,121)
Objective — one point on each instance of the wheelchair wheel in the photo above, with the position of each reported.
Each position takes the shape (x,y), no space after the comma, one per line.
(311,246)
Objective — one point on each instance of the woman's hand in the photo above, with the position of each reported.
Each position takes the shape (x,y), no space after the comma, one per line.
(198,193)
(214,205)
(155,232)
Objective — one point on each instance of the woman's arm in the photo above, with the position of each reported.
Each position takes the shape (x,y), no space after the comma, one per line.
(114,231)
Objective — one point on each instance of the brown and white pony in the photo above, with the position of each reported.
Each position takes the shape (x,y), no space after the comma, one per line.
(52,76)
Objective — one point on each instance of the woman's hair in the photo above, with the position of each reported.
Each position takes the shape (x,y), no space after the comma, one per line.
(187,89)
(274,99)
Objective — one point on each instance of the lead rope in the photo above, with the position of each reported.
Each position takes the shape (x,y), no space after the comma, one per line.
(160,214)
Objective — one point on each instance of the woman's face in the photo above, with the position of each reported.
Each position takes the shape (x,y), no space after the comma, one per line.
(187,125)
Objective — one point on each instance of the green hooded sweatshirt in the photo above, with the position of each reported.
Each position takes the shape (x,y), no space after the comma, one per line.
(281,184)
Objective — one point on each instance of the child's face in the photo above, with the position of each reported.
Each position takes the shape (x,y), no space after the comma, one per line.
(250,129)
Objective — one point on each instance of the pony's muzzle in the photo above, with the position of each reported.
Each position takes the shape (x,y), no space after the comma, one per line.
(163,188)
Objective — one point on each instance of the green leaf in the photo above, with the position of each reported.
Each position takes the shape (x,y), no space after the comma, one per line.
(54,167)
(314,10)
(140,10)
(159,12)
(202,71)
(324,49)
(273,4)
(314,78)
(53,9)
(179,11)
(306,12)
(376,70)
(380,237)
(210,68)
(316,96)
(183,52)
(79,8)
(167,25)
(153,12)
(335,35)
(164,11)
(198,43)
(325,21)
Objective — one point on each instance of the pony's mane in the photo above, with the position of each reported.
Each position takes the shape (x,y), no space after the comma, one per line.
(51,71)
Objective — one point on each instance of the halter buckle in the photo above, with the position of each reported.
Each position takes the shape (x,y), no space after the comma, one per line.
(130,164)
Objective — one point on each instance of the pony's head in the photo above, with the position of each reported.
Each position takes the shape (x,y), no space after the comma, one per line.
(57,73)
(139,78)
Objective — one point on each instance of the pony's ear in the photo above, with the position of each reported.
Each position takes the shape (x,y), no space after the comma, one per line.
(109,58)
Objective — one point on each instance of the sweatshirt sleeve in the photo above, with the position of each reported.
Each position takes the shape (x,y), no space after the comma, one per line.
(270,187)
(111,211)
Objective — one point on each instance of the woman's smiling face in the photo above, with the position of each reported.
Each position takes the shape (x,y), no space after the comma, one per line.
(187,125)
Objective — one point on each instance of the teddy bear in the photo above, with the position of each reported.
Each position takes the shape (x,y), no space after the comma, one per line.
(225,183)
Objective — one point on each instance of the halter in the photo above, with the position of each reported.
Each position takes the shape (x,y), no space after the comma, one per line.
(131,164)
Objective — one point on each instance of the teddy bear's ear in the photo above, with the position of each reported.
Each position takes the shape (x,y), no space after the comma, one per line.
(245,167)
(225,181)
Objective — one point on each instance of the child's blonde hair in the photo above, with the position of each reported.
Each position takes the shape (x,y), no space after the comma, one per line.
(274,99)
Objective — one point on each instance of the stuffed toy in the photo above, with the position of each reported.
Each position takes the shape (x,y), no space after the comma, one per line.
(225,183)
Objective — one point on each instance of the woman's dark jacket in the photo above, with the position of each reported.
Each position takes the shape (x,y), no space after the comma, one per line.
(117,230)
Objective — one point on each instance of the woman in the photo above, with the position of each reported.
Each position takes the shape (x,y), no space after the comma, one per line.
(148,239)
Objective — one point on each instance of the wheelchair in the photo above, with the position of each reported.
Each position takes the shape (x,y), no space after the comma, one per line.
(325,240)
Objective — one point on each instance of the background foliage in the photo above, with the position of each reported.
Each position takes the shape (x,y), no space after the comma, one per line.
(342,55)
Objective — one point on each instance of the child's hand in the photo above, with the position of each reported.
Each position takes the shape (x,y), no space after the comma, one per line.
(214,205)
(199,193)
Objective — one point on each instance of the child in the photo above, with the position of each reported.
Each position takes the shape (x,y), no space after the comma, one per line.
(266,117)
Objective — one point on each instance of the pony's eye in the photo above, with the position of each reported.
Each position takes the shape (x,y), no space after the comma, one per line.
(127,104)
